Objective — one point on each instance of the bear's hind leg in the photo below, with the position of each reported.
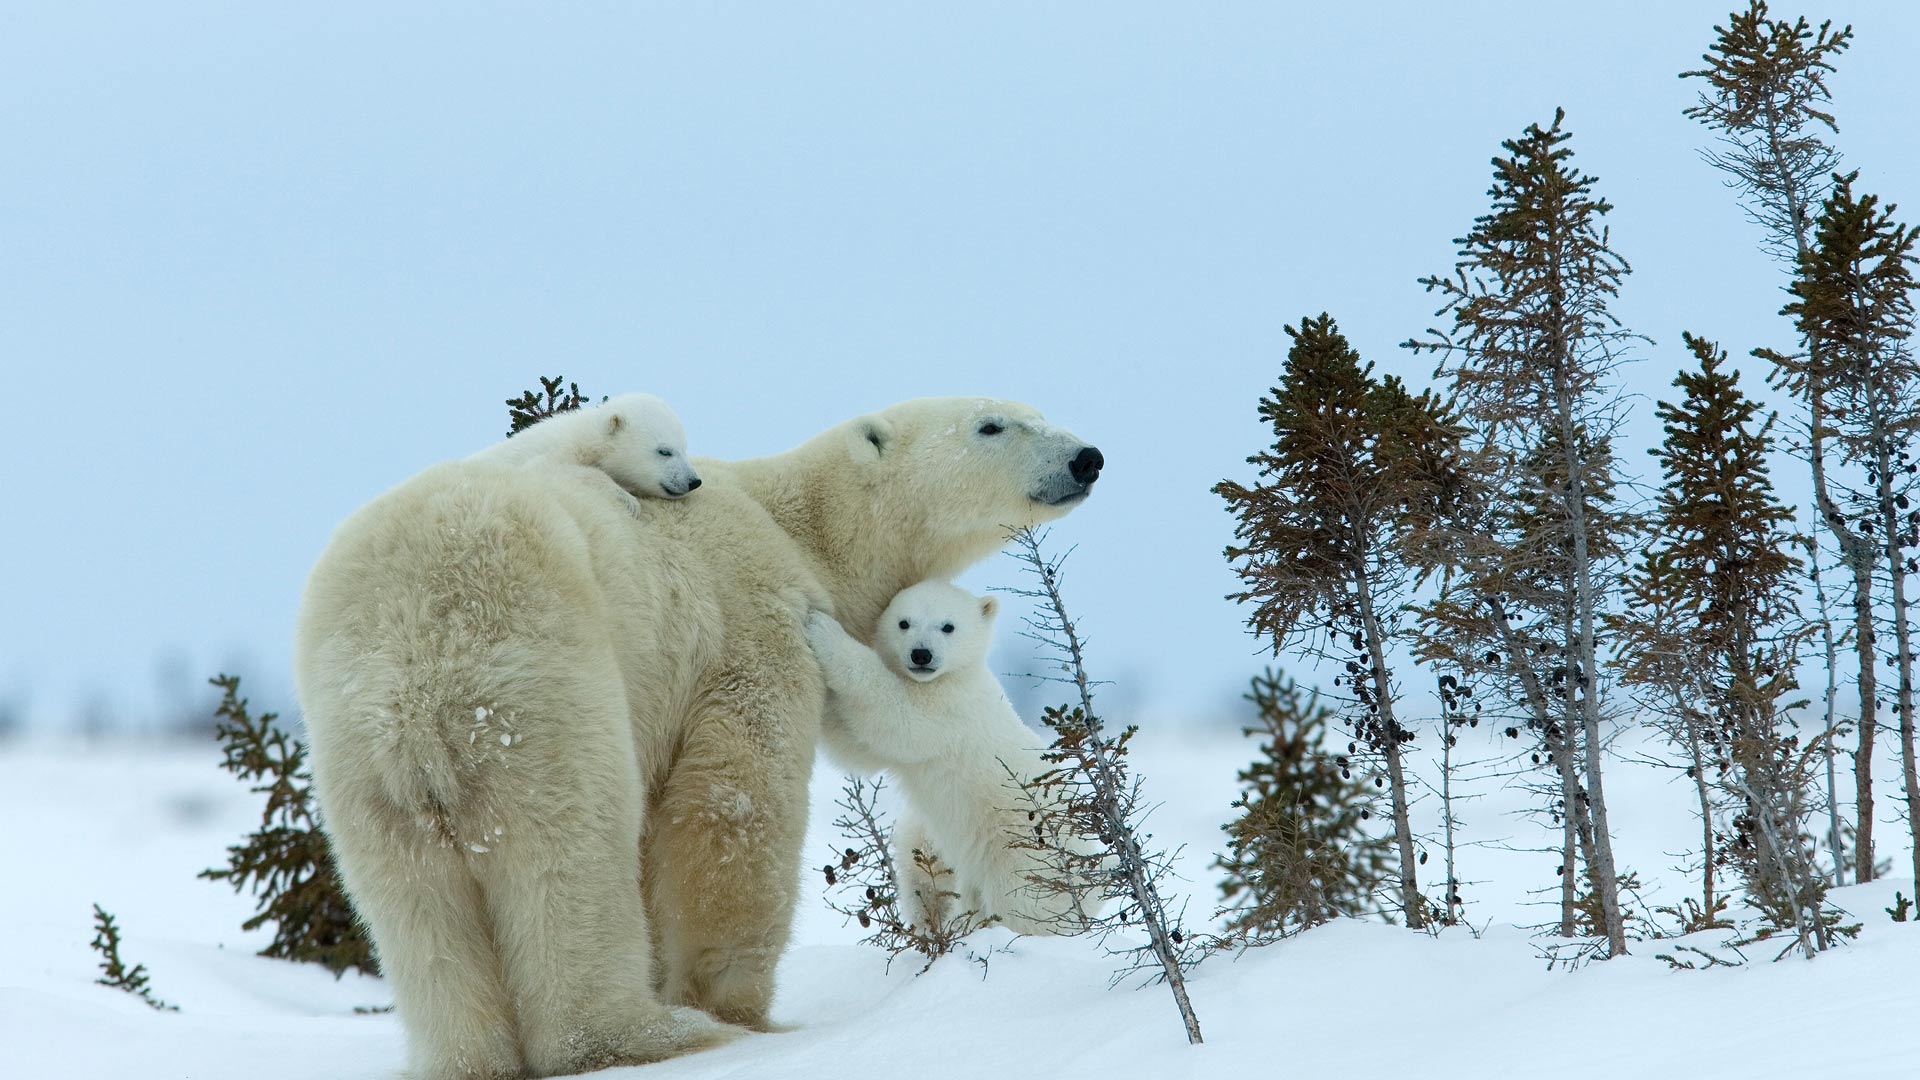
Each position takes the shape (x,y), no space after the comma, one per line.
(425,910)
(723,847)
(561,875)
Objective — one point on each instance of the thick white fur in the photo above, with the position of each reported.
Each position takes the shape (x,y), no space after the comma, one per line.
(922,705)
(562,737)
(635,438)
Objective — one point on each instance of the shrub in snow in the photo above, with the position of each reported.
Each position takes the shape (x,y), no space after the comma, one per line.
(113,971)
(286,861)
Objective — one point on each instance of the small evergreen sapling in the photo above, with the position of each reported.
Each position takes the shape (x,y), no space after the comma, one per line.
(1357,464)
(530,408)
(1529,356)
(113,971)
(861,883)
(286,861)
(1297,853)
(1091,794)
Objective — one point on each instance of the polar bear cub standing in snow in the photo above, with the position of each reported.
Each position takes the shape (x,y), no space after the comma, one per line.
(635,438)
(922,705)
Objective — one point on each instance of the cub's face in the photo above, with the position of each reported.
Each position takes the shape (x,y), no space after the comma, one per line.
(932,628)
(962,469)
(647,448)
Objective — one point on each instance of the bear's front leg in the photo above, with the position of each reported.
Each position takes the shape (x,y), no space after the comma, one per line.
(723,843)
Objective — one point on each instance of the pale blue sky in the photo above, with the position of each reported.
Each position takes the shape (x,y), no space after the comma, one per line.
(257,263)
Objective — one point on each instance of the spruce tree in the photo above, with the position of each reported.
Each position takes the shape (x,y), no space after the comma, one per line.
(286,862)
(1854,295)
(1713,629)
(1358,465)
(1765,97)
(1529,356)
(1298,853)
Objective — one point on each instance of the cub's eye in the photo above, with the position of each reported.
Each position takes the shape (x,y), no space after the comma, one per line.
(947,629)
(991,428)
(904,624)
(664,452)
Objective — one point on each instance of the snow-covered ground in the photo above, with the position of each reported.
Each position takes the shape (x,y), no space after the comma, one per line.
(129,826)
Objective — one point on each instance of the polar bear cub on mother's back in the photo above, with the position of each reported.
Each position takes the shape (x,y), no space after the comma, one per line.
(922,705)
(635,438)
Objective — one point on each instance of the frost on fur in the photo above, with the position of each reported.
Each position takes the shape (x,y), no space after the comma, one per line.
(861,883)
(286,861)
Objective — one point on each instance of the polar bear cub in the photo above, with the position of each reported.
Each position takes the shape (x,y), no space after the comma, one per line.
(635,438)
(922,705)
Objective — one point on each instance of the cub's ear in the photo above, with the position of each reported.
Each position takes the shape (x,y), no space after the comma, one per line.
(615,423)
(869,438)
(989,607)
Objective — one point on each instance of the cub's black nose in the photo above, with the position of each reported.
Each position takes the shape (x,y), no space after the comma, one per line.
(922,657)
(1086,465)
(693,483)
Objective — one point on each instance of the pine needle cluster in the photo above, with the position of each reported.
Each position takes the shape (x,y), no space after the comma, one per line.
(532,407)
(113,971)
(286,862)
(1298,854)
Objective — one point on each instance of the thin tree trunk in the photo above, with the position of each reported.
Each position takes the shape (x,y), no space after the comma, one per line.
(1560,750)
(1706,811)
(1446,807)
(1585,678)
(1832,655)
(1897,573)
(1396,776)
(1855,550)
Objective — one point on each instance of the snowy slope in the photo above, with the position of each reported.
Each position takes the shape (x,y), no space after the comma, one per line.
(130,826)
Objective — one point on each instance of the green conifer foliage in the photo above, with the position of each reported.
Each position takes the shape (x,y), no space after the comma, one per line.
(1298,854)
(1358,465)
(1530,352)
(1765,97)
(1854,294)
(530,407)
(113,971)
(1714,630)
(286,861)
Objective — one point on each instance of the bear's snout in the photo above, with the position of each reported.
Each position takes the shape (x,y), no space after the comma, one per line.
(1086,464)
(921,657)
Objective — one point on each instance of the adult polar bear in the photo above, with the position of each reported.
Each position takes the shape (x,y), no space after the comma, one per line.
(515,681)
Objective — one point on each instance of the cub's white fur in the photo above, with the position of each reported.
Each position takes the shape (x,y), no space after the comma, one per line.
(634,438)
(922,705)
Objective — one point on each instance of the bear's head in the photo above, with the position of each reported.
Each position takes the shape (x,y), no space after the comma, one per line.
(932,628)
(644,447)
(958,473)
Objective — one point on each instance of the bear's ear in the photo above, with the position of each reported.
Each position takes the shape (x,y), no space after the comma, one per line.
(989,607)
(870,438)
(615,423)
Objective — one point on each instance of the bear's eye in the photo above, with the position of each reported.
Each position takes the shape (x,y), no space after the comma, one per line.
(991,428)
(947,629)
(904,624)
(664,452)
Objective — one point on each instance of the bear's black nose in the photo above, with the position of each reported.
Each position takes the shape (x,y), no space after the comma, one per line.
(922,657)
(693,483)
(1086,465)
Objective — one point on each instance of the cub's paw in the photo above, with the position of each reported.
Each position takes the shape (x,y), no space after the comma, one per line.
(826,635)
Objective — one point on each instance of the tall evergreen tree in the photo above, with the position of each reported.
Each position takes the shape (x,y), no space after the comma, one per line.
(1765,96)
(1529,355)
(1714,630)
(1358,463)
(1854,294)
(1298,853)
